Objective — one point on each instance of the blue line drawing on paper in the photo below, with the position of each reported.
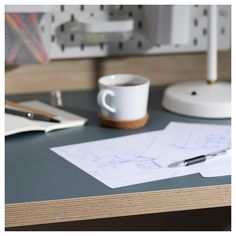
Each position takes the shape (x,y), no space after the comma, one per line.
(144,157)
(193,141)
(106,159)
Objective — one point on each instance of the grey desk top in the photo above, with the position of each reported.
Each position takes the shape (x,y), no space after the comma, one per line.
(34,173)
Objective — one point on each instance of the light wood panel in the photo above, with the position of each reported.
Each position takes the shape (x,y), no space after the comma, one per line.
(64,210)
(83,74)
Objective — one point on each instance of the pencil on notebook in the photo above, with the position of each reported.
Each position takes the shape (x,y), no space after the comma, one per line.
(17,106)
(31,115)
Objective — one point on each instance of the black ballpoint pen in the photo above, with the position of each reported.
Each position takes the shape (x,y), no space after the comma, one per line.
(198,159)
(31,115)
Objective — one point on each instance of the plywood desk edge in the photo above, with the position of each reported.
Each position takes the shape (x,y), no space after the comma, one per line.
(105,206)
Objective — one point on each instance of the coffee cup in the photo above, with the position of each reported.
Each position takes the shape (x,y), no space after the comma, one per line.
(123,97)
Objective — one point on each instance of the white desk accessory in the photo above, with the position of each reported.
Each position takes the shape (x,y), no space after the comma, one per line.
(123,100)
(206,99)
(100,30)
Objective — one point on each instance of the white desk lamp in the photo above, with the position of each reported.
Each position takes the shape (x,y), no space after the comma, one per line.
(206,99)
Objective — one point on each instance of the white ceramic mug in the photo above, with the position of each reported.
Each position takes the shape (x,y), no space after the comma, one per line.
(123,96)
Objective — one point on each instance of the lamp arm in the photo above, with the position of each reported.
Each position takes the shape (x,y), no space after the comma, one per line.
(212,45)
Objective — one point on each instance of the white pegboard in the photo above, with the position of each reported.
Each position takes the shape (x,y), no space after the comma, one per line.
(60,48)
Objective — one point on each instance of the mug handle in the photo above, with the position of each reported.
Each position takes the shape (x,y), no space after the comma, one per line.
(101,99)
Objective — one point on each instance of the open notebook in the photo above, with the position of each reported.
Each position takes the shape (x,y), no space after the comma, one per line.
(17,124)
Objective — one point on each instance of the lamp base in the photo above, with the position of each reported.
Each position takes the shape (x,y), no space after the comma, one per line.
(199,99)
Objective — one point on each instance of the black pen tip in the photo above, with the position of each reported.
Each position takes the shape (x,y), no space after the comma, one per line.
(55,120)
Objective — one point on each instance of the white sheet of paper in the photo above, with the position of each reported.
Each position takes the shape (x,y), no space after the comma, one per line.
(217,167)
(115,162)
(185,140)
(119,162)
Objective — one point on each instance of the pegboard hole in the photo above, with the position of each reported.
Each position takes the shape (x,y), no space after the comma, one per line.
(140,25)
(101,7)
(120,45)
(195,42)
(72,37)
(53,18)
(82,47)
(62,28)
(121,7)
(62,8)
(140,44)
(82,8)
(130,14)
(72,17)
(195,22)
(62,47)
(140,7)
(101,46)
(222,30)
(205,12)
(204,31)
(53,38)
